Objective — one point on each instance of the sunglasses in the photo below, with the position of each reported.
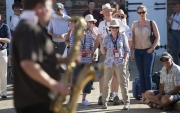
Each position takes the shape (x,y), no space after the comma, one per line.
(141,12)
(58,9)
(165,60)
(120,17)
(114,27)
(16,10)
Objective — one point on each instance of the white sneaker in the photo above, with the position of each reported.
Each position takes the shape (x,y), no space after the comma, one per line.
(85,102)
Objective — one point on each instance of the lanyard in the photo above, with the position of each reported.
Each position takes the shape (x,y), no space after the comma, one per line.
(114,42)
(83,43)
(106,28)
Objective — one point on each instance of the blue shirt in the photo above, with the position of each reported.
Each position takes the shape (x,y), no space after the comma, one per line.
(122,47)
(4,33)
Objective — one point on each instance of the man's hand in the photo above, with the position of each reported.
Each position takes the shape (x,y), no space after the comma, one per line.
(62,88)
(0,45)
(171,18)
(58,36)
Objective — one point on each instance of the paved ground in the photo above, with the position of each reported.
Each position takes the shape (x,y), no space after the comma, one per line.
(6,106)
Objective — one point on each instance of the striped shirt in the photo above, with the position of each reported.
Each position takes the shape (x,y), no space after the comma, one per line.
(171,79)
(87,43)
(59,26)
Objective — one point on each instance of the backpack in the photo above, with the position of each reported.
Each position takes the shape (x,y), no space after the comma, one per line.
(156,80)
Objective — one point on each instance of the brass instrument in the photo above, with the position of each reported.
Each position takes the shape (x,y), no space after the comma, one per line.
(87,74)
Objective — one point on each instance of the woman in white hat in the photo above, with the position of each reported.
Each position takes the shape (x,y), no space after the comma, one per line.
(120,15)
(87,48)
(91,28)
(116,48)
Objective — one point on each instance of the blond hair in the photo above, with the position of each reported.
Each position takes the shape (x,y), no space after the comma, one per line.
(142,7)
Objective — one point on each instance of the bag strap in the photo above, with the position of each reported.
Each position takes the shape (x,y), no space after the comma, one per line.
(151,27)
(173,17)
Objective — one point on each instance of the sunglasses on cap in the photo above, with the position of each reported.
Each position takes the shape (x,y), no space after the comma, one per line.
(165,60)
(120,17)
(141,12)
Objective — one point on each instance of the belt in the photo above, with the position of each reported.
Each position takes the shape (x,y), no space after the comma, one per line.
(2,49)
(58,42)
(176,30)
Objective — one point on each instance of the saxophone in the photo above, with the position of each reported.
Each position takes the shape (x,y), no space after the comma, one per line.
(86,74)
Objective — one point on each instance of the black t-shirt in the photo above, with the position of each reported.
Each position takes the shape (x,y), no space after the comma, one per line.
(96,14)
(31,41)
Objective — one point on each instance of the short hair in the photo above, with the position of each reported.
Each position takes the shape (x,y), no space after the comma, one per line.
(30,4)
(90,1)
(16,5)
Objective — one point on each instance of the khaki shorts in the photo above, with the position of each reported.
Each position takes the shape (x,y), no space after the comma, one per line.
(101,60)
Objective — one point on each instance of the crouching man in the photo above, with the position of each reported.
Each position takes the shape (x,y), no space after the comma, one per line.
(169,92)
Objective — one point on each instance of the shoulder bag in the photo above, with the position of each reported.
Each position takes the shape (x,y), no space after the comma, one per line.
(152,36)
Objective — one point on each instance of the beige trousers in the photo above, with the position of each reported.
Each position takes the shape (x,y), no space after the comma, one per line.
(3,72)
(122,80)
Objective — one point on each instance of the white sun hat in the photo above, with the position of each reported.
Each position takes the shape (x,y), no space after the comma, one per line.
(90,17)
(106,6)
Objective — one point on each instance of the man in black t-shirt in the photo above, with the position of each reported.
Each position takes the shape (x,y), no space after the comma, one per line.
(35,65)
(91,10)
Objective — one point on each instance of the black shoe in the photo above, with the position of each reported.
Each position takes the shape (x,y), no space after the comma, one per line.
(111,97)
(100,101)
(4,97)
(116,100)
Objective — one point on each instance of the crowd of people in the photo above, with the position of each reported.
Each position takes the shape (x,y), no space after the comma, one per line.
(42,34)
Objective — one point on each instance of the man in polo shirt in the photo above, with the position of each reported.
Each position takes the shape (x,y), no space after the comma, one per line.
(58,27)
(168,93)
(95,13)
(5,37)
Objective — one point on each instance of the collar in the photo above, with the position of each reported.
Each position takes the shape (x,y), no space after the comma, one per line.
(29,15)
(172,68)
(1,24)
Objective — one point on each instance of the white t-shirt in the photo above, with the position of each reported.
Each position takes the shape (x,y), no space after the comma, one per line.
(103,31)
(175,26)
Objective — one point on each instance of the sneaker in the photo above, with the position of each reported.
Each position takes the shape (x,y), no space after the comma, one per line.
(111,97)
(116,100)
(86,103)
(126,107)
(3,96)
(100,101)
(104,106)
